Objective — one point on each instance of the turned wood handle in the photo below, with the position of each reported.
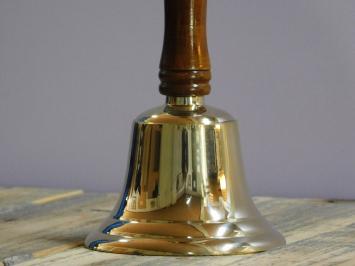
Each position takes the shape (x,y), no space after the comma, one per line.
(185,64)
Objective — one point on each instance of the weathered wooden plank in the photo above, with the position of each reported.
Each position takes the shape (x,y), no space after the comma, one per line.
(56,197)
(20,195)
(49,230)
(43,226)
(20,201)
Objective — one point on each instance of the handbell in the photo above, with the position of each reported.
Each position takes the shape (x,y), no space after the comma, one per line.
(185,192)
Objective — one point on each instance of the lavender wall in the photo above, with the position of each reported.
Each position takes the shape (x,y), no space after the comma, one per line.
(71,72)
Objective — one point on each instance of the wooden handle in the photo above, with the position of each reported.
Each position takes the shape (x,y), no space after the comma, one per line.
(185,64)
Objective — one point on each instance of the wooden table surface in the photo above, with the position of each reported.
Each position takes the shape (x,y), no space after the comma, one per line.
(47,227)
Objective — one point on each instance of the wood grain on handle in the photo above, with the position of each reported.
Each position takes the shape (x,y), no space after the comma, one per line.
(185,64)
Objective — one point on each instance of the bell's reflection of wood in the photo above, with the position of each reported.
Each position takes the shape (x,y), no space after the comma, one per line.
(46,227)
(148,191)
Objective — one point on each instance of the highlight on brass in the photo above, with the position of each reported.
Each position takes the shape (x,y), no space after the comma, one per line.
(185,192)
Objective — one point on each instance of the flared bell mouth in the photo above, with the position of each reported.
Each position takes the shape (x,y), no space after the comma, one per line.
(184,239)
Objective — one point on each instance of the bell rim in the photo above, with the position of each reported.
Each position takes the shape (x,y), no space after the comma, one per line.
(203,247)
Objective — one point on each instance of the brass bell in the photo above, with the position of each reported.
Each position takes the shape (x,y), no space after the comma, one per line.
(185,192)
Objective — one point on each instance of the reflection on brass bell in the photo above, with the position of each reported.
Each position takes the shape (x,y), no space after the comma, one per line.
(185,192)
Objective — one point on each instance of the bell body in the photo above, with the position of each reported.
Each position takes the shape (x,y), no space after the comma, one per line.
(185,192)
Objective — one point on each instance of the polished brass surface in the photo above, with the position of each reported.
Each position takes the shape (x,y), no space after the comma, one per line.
(185,192)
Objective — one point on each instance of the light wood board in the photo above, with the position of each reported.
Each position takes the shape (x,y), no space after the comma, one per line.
(48,226)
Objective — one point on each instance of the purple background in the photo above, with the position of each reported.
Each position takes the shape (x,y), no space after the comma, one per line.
(74,74)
